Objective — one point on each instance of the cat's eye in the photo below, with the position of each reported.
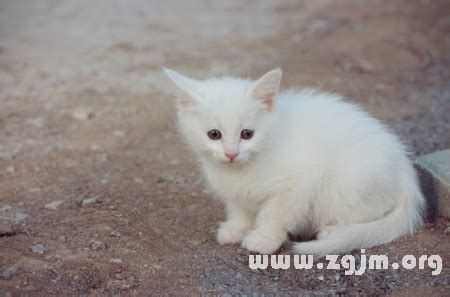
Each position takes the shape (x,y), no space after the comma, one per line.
(247,134)
(214,134)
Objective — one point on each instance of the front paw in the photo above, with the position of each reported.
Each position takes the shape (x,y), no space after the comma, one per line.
(265,244)
(230,233)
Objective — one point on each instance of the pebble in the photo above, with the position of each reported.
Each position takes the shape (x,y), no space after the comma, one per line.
(54,205)
(195,242)
(115,233)
(89,201)
(447,230)
(38,248)
(11,271)
(320,277)
(5,229)
(138,180)
(82,114)
(119,133)
(115,261)
(10,169)
(98,245)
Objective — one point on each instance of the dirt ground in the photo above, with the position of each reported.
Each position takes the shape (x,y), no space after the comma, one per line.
(87,121)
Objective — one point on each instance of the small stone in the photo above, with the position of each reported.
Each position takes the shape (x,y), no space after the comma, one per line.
(38,248)
(10,169)
(138,180)
(119,133)
(62,239)
(11,271)
(89,201)
(161,179)
(6,229)
(54,205)
(98,245)
(337,277)
(34,190)
(320,277)
(195,242)
(115,261)
(447,230)
(115,233)
(176,179)
(82,114)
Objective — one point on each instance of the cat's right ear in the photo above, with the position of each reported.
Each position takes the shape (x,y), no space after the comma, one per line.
(186,85)
(266,88)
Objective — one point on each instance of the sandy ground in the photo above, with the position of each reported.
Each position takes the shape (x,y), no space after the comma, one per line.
(86,115)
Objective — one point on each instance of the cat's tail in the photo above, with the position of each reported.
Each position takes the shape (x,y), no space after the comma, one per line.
(404,219)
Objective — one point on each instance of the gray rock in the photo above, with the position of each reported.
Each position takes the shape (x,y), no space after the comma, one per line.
(38,248)
(11,271)
(54,205)
(434,173)
(447,230)
(115,261)
(194,242)
(115,233)
(98,245)
(82,114)
(89,201)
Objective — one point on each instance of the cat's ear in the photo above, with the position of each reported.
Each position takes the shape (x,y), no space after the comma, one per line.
(186,85)
(266,88)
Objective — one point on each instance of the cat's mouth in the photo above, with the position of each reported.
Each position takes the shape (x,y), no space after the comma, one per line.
(233,163)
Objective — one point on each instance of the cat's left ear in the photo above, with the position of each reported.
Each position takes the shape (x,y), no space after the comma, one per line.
(266,88)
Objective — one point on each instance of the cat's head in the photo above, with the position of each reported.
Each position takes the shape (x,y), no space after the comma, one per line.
(226,119)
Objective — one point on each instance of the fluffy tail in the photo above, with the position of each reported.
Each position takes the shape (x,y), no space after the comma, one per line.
(404,219)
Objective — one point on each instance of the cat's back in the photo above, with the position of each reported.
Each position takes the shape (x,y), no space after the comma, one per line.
(322,113)
(318,121)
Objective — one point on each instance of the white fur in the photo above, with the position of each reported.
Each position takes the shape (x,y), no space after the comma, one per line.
(316,165)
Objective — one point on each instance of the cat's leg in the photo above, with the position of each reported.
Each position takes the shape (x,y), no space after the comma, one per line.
(276,218)
(326,230)
(238,222)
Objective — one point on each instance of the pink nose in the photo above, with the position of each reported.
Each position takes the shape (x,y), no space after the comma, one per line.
(231,155)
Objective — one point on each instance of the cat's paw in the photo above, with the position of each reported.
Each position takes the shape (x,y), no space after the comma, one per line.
(230,233)
(265,244)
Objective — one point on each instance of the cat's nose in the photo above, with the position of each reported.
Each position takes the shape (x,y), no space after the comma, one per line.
(231,155)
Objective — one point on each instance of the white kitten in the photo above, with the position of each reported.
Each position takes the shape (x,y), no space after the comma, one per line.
(302,162)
